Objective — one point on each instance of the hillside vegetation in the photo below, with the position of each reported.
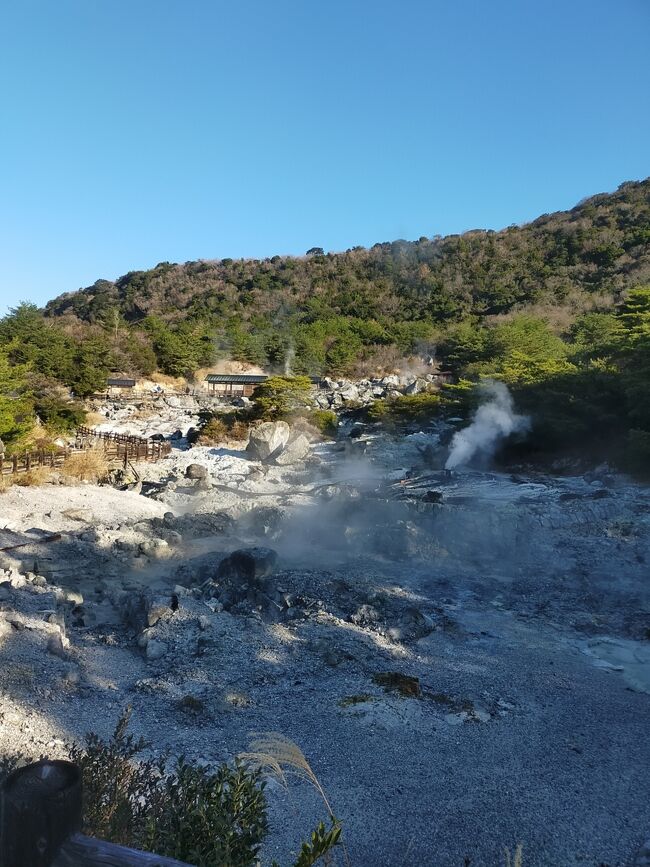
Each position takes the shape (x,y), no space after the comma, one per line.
(556,308)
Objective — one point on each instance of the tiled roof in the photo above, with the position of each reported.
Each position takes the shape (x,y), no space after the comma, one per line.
(238,378)
(125,383)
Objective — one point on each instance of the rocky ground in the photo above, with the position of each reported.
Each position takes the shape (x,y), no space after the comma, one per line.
(146,414)
(464,659)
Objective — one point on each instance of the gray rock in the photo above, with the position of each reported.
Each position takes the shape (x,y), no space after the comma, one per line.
(161,606)
(349,393)
(268,440)
(249,565)
(196,471)
(417,386)
(295,450)
(84,515)
(55,646)
(72,597)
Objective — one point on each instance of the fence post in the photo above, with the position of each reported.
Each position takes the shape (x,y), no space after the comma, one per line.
(40,807)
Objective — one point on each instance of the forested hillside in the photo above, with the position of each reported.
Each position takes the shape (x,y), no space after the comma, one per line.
(556,308)
(334,310)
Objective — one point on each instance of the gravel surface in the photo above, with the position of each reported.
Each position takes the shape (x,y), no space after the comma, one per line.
(521,604)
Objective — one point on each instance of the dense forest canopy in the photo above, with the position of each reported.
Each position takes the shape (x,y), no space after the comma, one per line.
(337,308)
(557,308)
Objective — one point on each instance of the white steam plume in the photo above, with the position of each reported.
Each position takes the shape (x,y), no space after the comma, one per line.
(493,421)
(288,359)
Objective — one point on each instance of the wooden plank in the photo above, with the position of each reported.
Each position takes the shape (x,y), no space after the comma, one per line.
(81,851)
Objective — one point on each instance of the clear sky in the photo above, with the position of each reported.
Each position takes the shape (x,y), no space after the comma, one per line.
(137,131)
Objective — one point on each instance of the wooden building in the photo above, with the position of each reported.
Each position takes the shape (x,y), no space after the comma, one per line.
(119,385)
(444,377)
(234,384)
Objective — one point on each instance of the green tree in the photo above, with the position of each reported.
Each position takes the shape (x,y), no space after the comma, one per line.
(16,409)
(280,396)
(91,364)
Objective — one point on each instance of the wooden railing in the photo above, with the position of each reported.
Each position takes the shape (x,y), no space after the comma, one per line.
(124,446)
(118,447)
(133,396)
(31,460)
(40,821)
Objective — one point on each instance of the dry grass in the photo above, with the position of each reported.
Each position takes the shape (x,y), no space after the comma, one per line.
(94,418)
(90,465)
(222,430)
(279,757)
(32,478)
(515,859)
(177,383)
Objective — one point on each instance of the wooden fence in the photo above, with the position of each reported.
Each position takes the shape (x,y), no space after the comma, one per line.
(118,447)
(30,460)
(40,820)
(123,446)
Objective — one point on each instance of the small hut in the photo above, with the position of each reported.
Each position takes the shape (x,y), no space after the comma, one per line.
(234,384)
(119,385)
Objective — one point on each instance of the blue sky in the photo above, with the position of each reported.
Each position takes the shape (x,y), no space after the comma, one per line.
(137,131)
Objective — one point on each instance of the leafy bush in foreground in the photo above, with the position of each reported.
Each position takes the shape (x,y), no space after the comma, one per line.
(205,818)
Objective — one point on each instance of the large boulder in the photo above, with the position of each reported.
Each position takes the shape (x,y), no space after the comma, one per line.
(196,471)
(417,386)
(267,440)
(322,400)
(349,392)
(295,451)
(249,565)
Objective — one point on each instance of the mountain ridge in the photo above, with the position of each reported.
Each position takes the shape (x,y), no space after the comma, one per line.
(595,250)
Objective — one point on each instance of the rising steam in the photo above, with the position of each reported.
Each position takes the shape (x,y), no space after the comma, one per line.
(493,421)
(288,359)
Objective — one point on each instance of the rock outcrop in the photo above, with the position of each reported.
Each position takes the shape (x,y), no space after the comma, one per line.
(267,440)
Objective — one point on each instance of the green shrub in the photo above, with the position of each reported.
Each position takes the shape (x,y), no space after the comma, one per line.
(210,818)
(60,415)
(281,396)
(325,420)
(205,818)
(406,409)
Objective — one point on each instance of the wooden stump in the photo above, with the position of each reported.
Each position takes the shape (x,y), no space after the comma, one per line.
(40,807)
